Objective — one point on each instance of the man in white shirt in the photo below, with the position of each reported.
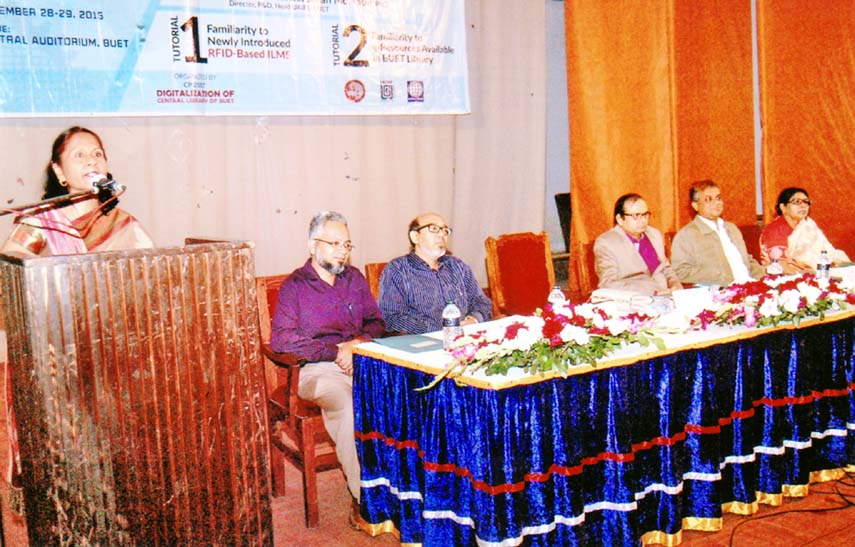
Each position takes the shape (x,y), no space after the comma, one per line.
(710,250)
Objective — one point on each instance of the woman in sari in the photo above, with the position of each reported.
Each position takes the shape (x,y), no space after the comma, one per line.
(77,161)
(794,239)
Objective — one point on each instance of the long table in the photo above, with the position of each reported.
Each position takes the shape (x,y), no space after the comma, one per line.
(633,451)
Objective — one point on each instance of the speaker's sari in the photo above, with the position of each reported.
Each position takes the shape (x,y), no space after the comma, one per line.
(52,233)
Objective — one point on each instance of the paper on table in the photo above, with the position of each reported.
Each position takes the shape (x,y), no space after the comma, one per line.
(691,302)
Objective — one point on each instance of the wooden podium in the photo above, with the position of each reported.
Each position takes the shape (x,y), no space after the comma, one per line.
(139,394)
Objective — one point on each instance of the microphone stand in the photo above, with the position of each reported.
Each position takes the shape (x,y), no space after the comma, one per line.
(49,203)
(105,190)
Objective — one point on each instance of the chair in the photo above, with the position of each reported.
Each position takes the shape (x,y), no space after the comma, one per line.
(296,425)
(751,235)
(373,270)
(519,271)
(583,278)
(668,238)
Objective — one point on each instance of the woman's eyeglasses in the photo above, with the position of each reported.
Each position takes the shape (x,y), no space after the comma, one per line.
(799,201)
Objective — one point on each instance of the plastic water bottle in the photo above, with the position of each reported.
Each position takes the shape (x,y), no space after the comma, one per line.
(823,266)
(774,268)
(451,328)
(556,296)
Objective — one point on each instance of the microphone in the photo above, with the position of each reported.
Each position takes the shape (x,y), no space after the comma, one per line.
(107,190)
(105,183)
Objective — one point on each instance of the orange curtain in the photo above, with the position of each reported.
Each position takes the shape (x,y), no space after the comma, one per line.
(619,95)
(807,75)
(659,96)
(713,110)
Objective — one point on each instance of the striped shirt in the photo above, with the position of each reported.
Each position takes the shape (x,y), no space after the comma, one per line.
(412,295)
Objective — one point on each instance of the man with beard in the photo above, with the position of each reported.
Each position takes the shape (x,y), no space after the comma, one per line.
(324,309)
(414,288)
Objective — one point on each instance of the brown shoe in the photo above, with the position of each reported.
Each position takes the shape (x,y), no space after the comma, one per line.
(354,519)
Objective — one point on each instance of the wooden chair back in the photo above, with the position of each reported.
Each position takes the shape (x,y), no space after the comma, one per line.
(520,272)
(751,235)
(583,272)
(668,238)
(373,271)
(297,428)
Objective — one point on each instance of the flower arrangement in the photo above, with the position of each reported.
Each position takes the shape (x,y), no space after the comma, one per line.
(562,336)
(774,299)
(553,339)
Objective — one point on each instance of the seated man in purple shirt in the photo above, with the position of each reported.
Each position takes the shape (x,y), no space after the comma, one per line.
(414,288)
(631,256)
(324,309)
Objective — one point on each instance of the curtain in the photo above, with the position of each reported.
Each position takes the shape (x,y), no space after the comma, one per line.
(619,103)
(660,96)
(807,74)
(713,107)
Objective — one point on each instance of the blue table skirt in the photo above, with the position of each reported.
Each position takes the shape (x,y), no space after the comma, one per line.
(619,456)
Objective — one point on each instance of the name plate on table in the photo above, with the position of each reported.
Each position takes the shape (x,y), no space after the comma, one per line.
(691,302)
(412,343)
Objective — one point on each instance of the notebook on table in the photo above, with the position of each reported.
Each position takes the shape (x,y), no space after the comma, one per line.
(411,343)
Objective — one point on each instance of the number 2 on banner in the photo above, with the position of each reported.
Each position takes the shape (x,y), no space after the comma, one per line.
(192,24)
(351,59)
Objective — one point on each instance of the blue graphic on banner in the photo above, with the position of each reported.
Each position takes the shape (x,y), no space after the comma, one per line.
(232,57)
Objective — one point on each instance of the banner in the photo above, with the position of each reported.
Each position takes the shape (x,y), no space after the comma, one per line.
(232,57)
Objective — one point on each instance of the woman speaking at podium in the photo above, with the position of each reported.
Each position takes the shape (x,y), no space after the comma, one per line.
(78,165)
(81,224)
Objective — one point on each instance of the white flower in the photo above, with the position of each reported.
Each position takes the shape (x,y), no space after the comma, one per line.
(488,351)
(587,311)
(777,280)
(534,323)
(527,336)
(617,325)
(769,308)
(789,300)
(575,334)
(810,292)
(836,296)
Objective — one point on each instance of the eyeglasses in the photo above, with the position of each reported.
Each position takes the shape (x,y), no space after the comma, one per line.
(799,201)
(346,245)
(637,216)
(435,229)
(710,199)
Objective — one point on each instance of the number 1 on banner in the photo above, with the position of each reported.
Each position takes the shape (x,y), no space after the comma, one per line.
(351,59)
(192,25)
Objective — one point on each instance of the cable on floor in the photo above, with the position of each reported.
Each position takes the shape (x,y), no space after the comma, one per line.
(847,499)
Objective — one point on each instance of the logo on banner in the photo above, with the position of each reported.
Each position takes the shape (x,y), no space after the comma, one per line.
(387,90)
(415,91)
(354,90)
